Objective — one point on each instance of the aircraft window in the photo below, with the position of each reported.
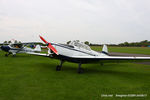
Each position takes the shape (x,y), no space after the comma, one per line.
(16,45)
(80,45)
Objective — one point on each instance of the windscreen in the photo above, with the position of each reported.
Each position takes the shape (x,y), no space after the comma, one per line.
(80,45)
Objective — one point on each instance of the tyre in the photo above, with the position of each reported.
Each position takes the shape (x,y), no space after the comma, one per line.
(80,71)
(6,55)
(58,68)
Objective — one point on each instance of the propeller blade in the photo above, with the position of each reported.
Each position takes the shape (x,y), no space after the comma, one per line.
(49,45)
(52,48)
(43,39)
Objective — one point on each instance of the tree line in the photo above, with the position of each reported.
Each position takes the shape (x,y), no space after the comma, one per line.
(143,43)
(8,42)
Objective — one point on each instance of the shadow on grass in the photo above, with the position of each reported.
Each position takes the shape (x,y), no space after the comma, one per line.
(94,71)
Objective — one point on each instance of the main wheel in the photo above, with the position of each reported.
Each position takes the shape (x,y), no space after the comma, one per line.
(14,55)
(80,71)
(58,68)
(6,55)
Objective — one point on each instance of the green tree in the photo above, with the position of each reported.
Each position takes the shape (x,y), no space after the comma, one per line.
(87,43)
(5,42)
(9,42)
(126,43)
(16,41)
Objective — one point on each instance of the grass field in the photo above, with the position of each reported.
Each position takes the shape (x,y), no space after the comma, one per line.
(27,77)
(134,50)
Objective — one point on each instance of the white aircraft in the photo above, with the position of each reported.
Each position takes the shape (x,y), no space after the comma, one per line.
(80,53)
(18,48)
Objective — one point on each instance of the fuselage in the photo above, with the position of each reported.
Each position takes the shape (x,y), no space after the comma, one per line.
(67,52)
(14,50)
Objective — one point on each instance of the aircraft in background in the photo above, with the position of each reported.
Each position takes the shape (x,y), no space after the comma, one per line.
(18,48)
(81,53)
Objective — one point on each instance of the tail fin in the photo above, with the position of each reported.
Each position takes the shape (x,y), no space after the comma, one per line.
(105,50)
(37,48)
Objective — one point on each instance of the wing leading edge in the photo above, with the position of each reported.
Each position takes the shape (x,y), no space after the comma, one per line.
(110,59)
(38,54)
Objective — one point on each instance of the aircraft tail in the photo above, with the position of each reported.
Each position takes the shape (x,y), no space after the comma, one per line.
(37,48)
(105,50)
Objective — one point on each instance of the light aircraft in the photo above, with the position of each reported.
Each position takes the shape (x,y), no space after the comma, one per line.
(81,53)
(18,48)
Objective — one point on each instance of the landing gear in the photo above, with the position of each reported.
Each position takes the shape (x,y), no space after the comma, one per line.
(14,55)
(6,55)
(58,67)
(102,64)
(80,70)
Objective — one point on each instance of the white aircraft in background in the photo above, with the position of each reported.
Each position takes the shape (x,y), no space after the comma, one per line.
(18,48)
(80,53)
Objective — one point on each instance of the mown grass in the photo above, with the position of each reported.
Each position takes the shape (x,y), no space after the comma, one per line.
(27,77)
(134,50)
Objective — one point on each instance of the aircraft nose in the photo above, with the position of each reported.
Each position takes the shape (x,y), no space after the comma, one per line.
(5,48)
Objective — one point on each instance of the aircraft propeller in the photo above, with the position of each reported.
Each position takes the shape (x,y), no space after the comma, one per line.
(49,45)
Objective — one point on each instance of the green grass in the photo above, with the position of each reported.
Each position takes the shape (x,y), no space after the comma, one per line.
(135,50)
(27,77)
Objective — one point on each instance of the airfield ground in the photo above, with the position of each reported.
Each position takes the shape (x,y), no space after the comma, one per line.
(28,77)
(132,50)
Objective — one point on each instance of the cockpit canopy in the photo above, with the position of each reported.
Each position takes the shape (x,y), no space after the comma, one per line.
(79,45)
(16,45)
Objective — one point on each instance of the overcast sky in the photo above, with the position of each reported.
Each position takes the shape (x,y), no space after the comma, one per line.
(97,21)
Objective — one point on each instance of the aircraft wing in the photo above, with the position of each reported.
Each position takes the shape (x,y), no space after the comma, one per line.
(26,43)
(110,58)
(89,59)
(38,54)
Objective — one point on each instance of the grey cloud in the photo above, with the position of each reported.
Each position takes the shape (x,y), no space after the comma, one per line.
(98,21)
